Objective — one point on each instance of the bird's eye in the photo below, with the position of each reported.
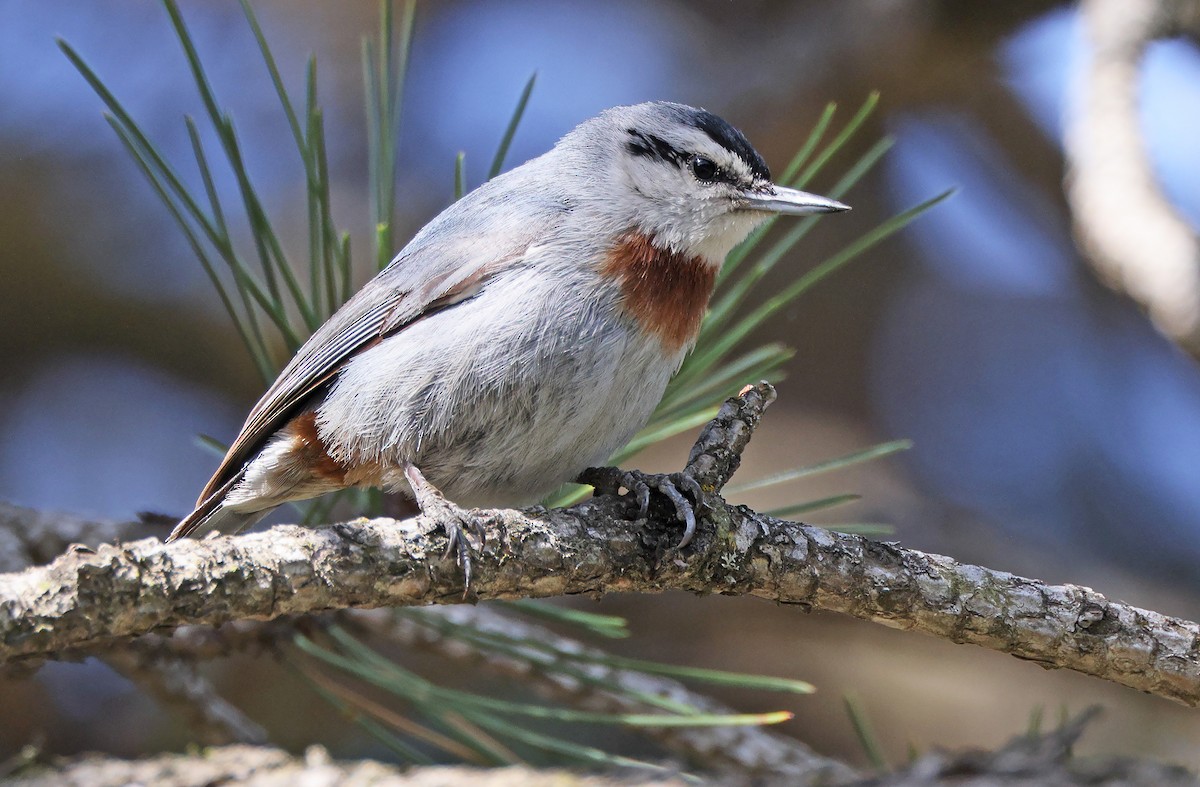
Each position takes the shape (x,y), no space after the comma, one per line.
(704,169)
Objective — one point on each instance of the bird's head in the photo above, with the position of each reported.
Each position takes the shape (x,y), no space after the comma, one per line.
(686,178)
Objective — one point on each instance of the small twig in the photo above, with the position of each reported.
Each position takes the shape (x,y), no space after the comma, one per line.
(1044,759)
(30,538)
(717,453)
(177,683)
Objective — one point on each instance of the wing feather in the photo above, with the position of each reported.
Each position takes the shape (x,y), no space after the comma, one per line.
(445,264)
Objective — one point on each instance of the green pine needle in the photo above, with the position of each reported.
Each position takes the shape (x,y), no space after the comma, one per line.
(212,445)
(700,675)
(365,664)
(460,177)
(511,130)
(609,626)
(526,651)
(813,505)
(870,529)
(866,734)
(1035,721)
(829,465)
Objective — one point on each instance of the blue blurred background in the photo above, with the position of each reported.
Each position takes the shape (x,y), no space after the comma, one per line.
(1056,432)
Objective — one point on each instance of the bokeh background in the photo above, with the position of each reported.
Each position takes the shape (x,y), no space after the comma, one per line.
(1057,433)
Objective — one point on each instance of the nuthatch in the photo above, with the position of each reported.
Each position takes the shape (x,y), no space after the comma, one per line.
(522,336)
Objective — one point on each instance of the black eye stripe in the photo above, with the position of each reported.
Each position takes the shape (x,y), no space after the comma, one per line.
(717,129)
(655,147)
(652,146)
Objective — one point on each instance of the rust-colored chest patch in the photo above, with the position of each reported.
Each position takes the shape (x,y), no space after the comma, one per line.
(664,291)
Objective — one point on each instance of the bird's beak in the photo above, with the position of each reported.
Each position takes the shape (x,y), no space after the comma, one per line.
(792,202)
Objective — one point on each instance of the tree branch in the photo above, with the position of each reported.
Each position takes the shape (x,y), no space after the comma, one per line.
(1033,758)
(29,537)
(34,537)
(1135,238)
(177,683)
(1026,759)
(120,591)
(267,766)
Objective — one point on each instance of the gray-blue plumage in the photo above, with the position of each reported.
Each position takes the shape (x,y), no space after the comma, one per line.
(499,354)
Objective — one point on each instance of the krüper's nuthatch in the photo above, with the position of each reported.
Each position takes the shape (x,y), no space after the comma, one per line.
(522,336)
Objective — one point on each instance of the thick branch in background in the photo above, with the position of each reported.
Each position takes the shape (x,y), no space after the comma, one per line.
(264,766)
(177,683)
(1136,239)
(1027,759)
(88,599)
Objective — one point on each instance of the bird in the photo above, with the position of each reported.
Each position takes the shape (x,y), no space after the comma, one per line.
(522,336)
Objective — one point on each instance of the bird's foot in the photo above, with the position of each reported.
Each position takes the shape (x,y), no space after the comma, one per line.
(676,487)
(454,520)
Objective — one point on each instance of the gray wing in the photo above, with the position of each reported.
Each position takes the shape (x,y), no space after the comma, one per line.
(449,261)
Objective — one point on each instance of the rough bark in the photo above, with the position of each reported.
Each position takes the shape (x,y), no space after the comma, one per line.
(86,599)
(126,590)
(263,767)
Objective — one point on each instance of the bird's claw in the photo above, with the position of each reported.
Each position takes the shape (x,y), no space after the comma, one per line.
(676,487)
(453,519)
(456,522)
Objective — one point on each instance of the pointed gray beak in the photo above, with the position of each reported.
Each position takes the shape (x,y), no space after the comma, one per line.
(791,202)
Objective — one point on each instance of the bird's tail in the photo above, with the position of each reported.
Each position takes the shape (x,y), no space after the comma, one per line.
(213,515)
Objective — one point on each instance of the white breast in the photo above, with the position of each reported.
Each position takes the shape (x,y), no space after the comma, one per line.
(505,396)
